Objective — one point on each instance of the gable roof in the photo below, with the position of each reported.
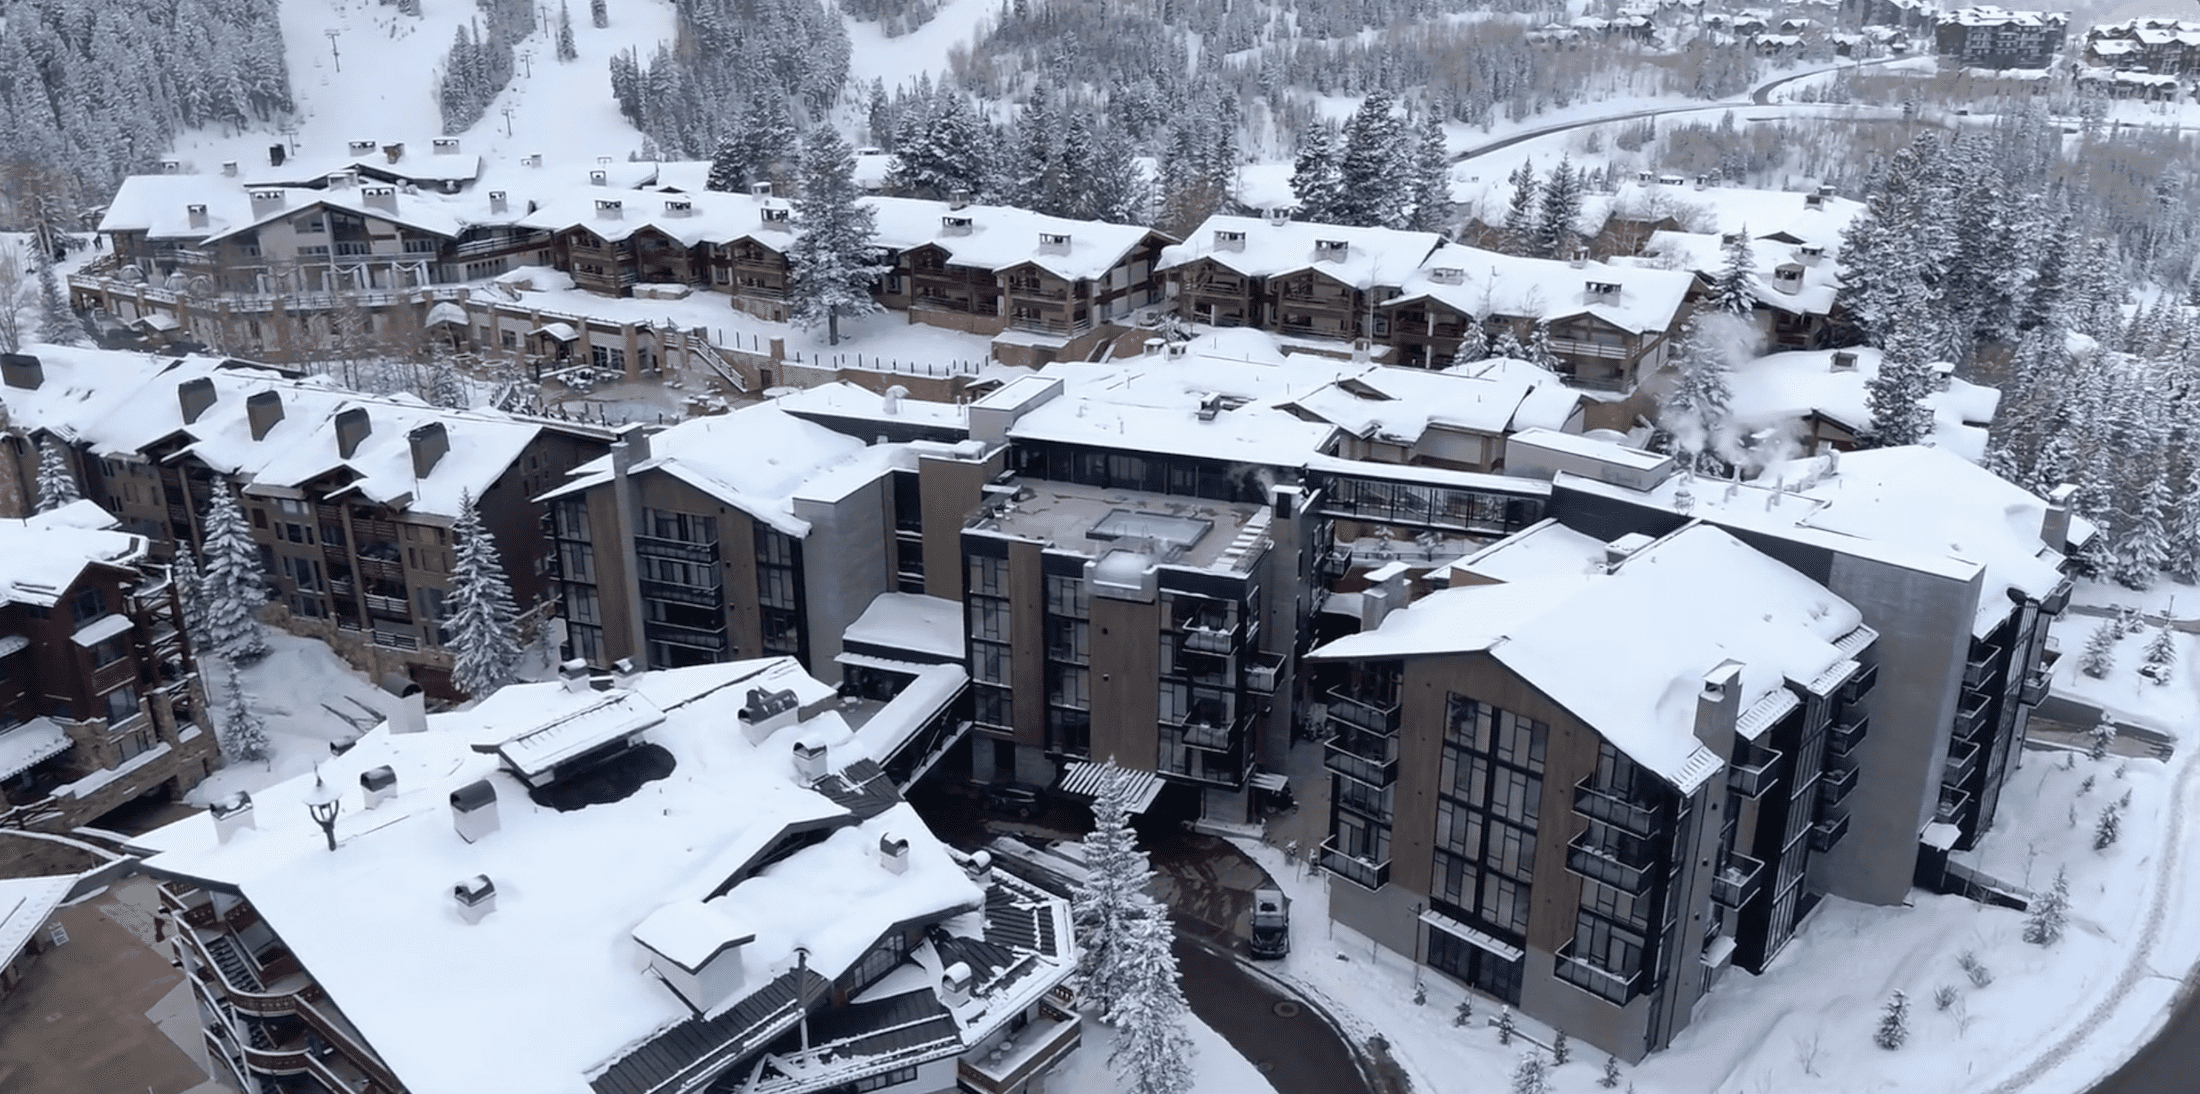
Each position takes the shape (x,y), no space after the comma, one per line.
(1371,257)
(1480,283)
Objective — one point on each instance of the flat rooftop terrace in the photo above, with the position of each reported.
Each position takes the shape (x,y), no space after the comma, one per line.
(1194,533)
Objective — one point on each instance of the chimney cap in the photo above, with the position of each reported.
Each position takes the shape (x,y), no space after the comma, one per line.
(474,890)
(474,795)
(375,778)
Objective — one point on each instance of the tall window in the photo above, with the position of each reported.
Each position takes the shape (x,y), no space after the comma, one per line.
(1068,657)
(1490,795)
(987,580)
(778,590)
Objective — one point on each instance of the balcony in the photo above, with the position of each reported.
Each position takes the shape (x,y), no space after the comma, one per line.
(653,547)
(1755,773)
(1844,735)
(1334,563)
(1262,672)
(1011,1062)
(393,608)
(1739,882)
(1971,714)
(1859,685)
(1219,642)
(1954,807)
(1627,816)
(1962,763)
(695,637)
(1610,986)
(2035,688)
(1982,666)
(1828,832)
(1359,871)
(1361,758)
(2059,599)
(1374,713)
(1835,785)
(1609,865)
(681,594)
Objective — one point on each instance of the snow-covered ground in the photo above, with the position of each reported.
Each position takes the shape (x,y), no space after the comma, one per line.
(2053,1019)
(2123,692)
(1217,1067)
(287,689)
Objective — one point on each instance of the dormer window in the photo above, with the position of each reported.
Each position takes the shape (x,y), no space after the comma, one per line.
(1448,275)
(1331,250)
(1224,235)
(777,214)
(1053,239)
(1603,288)
(954,222)
(1814,201)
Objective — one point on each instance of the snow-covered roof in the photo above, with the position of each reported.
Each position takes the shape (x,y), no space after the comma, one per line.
(418,161)
(1000,237)
(425,212)
(27,744)
(44,554)
(1724,210)
(688,217)
(918,624)
(1987,15)
(758,459)
(1627,651)
(1266,248)
(1400,404)
(841,399)
(1482,283)
(552,987)
(25,905)
(1814,280)
(483,446)
(1780,389)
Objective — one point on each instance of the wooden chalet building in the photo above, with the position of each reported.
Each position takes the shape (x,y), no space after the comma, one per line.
(1292,278)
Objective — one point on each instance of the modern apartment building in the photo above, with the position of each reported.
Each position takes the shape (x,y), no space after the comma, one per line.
(686,880)
(1991,37)
(1589,777)
(100,697)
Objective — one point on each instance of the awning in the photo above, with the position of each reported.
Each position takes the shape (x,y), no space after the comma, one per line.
(882,664)
(156,321)
(100,629)
(447,312)
(26,744)
(563,332)
(1270,781)
(1083,780)
(1470,936)
(13,643)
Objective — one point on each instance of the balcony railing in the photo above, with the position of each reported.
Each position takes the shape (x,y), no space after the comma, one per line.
(1358,759)
(697,637)
(1359,871)
(1828,832)
(1971,714)
(1843,736)
(1860,684)
(1607,865)
(1739,881)
(1335,563)
(1373,713)
(1261,673)
(1962,763)
(298,1001)
(681,594)
(1835,785)
(1206,640)
(676,548)
(1981,667)
(1751,776)
(390,607)
(1628,816)
(1006,1066)
(1610,986)
(1954,807)
(2035,688)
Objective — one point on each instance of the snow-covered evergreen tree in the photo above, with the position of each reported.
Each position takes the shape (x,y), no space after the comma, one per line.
(1474,344)
(2102,737)
(56,322)
(1113,897)
(1561,1049)
(2107,828)
(1898,392)
(233,584)
(1531,1075)
(941,151)
(1894,1022)
(243,734)
(1505,1025)
(2043,924)
(56,483)
(1153,1051)
(598,14)
(566,49)
(1375,165)
(1432,206)
(1520,211)
(1538,349)
(1694,411)
(1731,289)
(1316,180)
(1610,1079)
(15,297)
(184,574)
(833,263)
(1508,346)
(2100,649)
(484,623)
(2143,548)
(2162,653)
(1558,214)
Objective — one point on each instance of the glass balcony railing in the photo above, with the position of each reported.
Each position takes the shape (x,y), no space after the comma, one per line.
(1982,666)
(1628,816)
(1962,763)
(1752,775)
(1826,833)
(1740,880)
(1358,758)
(1375,713)
(1367,875)
(1844,735)
(1613,987)
(1609,865)
(1971,714)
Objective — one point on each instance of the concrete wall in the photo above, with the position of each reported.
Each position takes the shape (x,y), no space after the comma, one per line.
(844,565)
(1126,666)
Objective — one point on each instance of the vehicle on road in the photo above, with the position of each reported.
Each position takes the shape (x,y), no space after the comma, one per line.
(1271,924)
(1019,800)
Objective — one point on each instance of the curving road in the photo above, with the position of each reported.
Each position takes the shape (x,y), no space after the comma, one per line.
(1761,95)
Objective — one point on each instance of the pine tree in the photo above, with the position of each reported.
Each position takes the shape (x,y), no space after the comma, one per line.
(1538,348)
(1894,1023)
(1695,412)
(244,735)
(832,263)
(56,483)
(2043,924)
(728,167)
(598,14)
(1316,180)
(2100,649)
(1113,898)
(1152,1053)
(1432,207)
(566,50)
(1474,345)
(1561,1051)
(1731,289)
(1558,214)
(1463,1013)
(484,623)
(2162,653)
(1530,1075)
(1505,1026)
(2106,830)
(184,573)
(57,324)
(234,586)
(1375,166)
(1520,209)
(1508,346)
(2102,737)
(2144,550)
(1897,393)
(1610,1078)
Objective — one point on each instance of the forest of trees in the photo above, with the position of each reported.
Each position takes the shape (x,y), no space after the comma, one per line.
(479,63)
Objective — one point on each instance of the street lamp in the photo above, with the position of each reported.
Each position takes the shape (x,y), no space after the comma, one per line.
(323,804)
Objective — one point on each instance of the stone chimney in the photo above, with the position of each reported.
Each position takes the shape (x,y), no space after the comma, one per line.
(229,168)
(960,199)
(377,785)
(474,810)
(599,178)
(1229,239)
(1053,243)
(476,897)
(262,409)
(391,153)
(379,197)
(352,427)
(955,225)
(1277,216)
(430,443)
(760,189)
(266,202)
(893,852)
(2055,525)
(1579,259)
(21,370)
(574,674)
(194,396)
(679,207)
(810,762)
(232,814)
(497,202)
(196,214)
(408,708)
(1719,706)
(623,673)
(767,712)
(1332,250)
